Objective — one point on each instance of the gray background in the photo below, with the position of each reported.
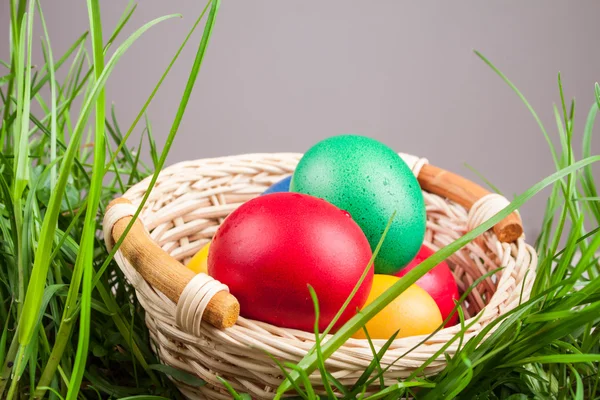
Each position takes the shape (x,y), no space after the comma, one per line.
(281,75)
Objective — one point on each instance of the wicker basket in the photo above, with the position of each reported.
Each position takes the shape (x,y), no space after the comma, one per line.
(192,198)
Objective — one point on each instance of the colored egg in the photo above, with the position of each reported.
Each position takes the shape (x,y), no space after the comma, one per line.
(439,282)
(370,181)
(198,263)
(280,186)
(412,313)
(272,247)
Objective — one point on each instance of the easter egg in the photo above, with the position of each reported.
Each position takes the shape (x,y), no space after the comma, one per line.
(198,263)
(439,282)
(414,312)
(281,186)
(272,247)
(372,182)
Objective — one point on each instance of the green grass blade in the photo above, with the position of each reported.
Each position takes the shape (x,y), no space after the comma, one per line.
(117,173)
(53,119)
(556,359)
(20,148)
(32,357)
(84,259)
(561,132)
(5,195)
(578,395)
(234,394)
(135,162)
(151,142)
(560,272)
(564,109)
(16,59)
(320,360)
(21,167)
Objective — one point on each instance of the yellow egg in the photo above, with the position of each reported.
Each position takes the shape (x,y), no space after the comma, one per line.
(199,262)
(414,312)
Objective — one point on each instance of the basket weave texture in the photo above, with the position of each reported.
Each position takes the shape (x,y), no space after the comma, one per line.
(183,212)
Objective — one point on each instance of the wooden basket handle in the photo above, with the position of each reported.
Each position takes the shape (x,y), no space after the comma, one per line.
(466,193)
(167,274)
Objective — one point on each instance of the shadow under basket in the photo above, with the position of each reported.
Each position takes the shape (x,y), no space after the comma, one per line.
(184,210)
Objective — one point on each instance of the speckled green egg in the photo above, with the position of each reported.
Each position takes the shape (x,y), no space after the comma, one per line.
(371,181)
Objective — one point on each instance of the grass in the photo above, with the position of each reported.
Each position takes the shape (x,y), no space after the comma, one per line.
(71,326)
(41,348)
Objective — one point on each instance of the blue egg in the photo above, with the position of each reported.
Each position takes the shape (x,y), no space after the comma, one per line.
(281,186)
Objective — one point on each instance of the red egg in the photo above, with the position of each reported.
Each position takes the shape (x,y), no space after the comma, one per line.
(272,247)
(439,282)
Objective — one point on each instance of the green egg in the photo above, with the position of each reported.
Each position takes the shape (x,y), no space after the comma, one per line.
(370,181)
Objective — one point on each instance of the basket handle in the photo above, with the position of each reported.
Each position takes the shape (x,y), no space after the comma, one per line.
(467,193)
(167,274)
